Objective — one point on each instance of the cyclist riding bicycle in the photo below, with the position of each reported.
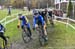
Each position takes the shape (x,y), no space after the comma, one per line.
(24,22)
(2,30)
(42,13)
(45,15)
(38,20)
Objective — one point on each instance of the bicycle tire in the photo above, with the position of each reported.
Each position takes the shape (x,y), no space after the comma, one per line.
(25,37)
(42,41)
(41,36)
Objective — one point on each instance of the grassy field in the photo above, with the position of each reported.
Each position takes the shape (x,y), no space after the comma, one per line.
(60,37)
(4,12)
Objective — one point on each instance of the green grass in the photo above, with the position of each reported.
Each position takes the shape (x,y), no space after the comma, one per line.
(14,16)
(72,24)
(4,12)
(15,11)
(61,37)
(12,31)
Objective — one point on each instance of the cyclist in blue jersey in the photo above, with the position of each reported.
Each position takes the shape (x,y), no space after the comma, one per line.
(38,20)
(24,22)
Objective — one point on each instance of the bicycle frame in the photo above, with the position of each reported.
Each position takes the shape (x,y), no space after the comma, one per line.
(25,29)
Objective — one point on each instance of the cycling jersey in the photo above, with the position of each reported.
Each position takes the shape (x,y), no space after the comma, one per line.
(24,21)
(38,20)
(1,28)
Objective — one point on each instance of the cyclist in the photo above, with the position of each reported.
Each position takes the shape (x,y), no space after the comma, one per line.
(9,10)
(45,14)
(24,22)
(38,20)
(2,30)
(51,18)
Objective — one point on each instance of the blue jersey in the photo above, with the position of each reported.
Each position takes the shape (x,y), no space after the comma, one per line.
(1,28)
(37,20)
(24,20)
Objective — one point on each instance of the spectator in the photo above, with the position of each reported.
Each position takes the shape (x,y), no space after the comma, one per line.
(9,10)
(51,18)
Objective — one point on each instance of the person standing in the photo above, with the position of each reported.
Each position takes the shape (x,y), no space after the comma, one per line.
(51,18)
(9,10)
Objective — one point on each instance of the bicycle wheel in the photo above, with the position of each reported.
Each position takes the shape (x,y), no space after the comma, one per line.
(42,41)
(25,37)
(41,37)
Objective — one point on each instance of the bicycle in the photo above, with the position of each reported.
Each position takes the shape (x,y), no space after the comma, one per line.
(25,35)
(42,38)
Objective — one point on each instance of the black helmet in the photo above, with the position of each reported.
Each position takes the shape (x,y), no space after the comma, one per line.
(35,13)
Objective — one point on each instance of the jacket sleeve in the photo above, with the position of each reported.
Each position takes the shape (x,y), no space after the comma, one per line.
(34,22)
(26,19)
